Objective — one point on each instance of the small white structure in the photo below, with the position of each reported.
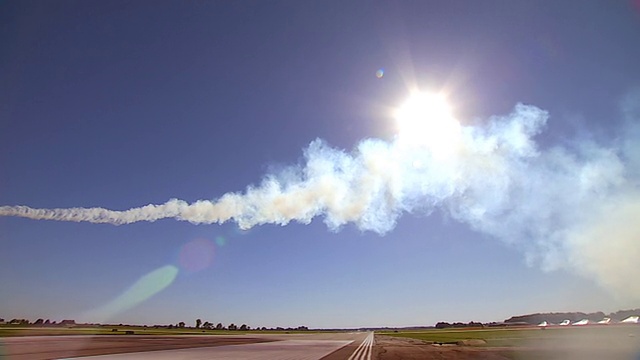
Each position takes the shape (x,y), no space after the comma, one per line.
(543,324)
(604,321)
(630,320)
(565,323)
(581,322)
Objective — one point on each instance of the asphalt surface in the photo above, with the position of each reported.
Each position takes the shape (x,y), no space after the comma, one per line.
(326,346)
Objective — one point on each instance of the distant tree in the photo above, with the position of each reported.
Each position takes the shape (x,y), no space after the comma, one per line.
(181,324)
(170,326)
(198,323)
(47,322)
(243,327)
(264,328)
(39,322)
(219,326)
(442,325)
(207,325)
(67,322)
(233,326)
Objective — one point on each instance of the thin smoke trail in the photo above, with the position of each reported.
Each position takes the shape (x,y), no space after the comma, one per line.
(555,203)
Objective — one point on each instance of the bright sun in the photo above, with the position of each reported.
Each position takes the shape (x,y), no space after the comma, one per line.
(426,120)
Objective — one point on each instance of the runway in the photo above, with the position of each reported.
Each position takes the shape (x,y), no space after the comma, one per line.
(285,349)
(327,346)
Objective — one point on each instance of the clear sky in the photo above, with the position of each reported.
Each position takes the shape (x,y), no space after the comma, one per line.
(119,104)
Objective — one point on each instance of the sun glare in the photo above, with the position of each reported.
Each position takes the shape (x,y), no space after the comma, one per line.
(426,120)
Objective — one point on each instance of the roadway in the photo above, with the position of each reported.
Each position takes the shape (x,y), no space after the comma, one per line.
(325,346)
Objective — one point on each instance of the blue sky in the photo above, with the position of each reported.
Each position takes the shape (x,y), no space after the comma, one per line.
(121,104)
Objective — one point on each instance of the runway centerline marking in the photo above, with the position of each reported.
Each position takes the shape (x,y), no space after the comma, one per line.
(363,352)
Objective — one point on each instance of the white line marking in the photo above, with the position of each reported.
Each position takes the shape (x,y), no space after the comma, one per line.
(363,352)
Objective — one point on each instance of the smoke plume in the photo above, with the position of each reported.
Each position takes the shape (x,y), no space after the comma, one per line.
(573,207)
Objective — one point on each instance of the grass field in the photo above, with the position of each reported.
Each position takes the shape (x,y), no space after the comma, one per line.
(6,331)
(120,330)
(608,335)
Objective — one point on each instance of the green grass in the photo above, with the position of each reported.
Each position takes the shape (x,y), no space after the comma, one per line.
(491,336)
(8,330)
(523,336)
(104,330)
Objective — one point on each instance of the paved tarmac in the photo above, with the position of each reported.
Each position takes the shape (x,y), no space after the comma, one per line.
(284,349)
(333,346)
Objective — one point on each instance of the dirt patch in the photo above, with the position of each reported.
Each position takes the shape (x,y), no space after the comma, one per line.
(394,348)
(472,342)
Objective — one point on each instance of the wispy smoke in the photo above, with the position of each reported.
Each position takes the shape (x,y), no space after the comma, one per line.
(571,207)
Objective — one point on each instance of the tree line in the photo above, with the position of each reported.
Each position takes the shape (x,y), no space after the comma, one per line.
(199,324)
(39,322)
(207,325)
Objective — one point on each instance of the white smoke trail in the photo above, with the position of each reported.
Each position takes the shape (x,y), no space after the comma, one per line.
(495,179)
(370,187)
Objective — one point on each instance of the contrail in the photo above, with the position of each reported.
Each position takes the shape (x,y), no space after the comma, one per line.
(558,203)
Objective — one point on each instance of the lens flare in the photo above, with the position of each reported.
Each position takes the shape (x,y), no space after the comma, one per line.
(221,241)
(142,290)
(196,255)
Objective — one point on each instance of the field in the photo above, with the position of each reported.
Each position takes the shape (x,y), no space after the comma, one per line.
(525,336)
(588,342)
(7,331)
